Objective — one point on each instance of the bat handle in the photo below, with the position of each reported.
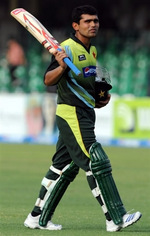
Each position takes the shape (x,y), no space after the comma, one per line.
(72,66)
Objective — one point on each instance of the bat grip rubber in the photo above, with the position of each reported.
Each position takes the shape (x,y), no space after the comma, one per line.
(72,66)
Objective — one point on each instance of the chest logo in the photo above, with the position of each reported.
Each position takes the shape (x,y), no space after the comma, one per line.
(89,71)
(82,57)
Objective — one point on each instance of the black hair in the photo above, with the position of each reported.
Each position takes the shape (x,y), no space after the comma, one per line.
(86,9)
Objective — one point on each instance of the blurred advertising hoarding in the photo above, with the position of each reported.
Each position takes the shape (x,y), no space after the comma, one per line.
(31,118)
(12,115)
(132,118)
(124,122)
(28,118)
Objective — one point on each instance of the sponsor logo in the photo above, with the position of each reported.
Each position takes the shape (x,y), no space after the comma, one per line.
(82,57)
(89,71)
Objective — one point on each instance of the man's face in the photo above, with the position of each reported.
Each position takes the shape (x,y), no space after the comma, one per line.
(88,26)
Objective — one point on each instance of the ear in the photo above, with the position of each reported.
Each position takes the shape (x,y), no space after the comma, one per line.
(75,26)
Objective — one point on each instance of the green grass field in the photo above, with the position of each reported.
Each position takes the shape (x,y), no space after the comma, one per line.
(23,166)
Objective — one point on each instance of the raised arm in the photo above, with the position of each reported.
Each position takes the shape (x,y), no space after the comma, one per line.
(53,76)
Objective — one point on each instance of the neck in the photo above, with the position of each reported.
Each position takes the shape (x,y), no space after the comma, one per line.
(86,41)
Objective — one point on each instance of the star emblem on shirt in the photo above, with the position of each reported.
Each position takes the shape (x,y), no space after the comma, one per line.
(101,93)
(94,54)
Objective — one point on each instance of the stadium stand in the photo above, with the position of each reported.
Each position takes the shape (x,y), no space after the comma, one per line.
(128,68)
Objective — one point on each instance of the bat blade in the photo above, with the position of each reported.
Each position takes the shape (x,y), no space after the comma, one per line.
(40,33)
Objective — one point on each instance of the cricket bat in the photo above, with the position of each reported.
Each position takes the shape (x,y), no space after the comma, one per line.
(40,33)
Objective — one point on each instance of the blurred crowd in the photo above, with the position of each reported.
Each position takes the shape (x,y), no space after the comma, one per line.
(123,46)
(128,61)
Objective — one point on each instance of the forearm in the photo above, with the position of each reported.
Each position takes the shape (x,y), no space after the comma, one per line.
(53,76)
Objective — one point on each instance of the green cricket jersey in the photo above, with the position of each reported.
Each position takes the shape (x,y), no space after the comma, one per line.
(78,90)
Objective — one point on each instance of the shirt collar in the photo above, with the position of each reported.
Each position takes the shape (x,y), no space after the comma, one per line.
(72,36)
